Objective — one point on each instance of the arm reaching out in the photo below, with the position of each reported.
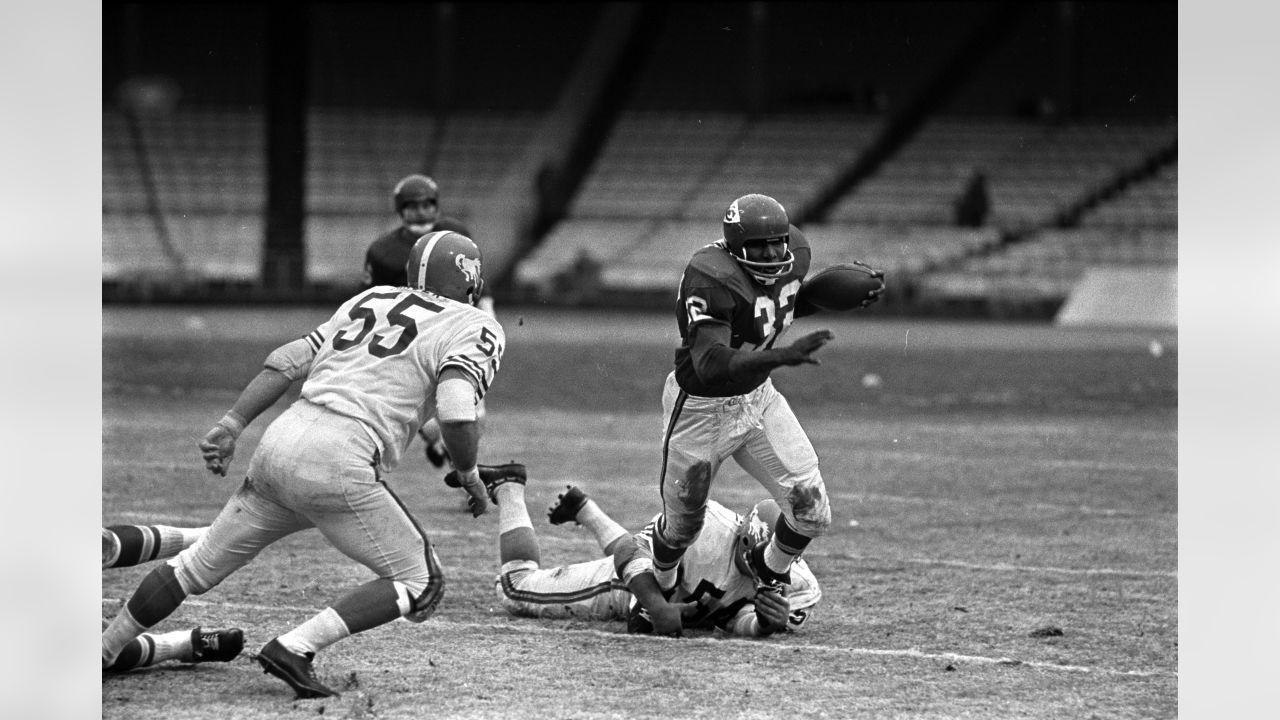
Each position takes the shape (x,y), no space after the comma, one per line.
(218,447)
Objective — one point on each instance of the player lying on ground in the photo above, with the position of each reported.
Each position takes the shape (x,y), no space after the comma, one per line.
(129,545)
(715,589)
(388,359)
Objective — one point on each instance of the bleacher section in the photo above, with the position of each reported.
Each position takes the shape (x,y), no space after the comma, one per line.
(1044,268)
(654,195)
(1034,171)
(663,180)
(209,170)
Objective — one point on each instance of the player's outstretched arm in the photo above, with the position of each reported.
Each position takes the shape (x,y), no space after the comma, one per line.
(716,362)
(219,444)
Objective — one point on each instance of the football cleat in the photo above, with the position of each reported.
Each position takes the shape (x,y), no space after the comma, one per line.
(492,476)
(568,505)
(294,669)
(216,645)
(764,577)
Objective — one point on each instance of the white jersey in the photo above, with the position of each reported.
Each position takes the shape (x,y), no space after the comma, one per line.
(709,574)
(381,355)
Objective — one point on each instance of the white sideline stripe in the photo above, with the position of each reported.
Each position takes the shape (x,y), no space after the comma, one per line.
(534,629)
(1032,568)
(857,498)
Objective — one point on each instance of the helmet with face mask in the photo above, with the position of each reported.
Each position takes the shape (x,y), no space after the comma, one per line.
(418,188)
(757,217)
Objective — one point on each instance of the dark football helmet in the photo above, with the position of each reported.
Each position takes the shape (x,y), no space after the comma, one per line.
(447,264)
(415,187)
(757,217)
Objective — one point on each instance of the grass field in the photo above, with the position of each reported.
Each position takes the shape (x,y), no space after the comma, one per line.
(1004,540)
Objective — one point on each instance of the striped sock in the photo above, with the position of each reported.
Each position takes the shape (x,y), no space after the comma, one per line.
(140,544)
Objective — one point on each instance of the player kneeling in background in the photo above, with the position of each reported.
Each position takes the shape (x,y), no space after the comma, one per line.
(386,360)
(716,589)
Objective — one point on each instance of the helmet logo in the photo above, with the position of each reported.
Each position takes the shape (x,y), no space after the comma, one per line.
(469,266)
(732,215)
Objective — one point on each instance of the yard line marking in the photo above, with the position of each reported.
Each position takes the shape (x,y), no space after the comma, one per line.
(858,498)
(1004,567)
(532,628)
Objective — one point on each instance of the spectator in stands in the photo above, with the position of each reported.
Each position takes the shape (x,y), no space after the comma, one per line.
(974,203)
(416,200)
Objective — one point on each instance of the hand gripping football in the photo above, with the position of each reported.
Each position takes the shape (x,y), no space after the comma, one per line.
(847,286)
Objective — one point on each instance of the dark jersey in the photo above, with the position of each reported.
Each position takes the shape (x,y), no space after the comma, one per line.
(716,289)
(385,259)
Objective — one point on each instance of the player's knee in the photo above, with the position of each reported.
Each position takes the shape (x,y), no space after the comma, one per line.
(685,507)
(418,598)
(191,581)
(677,531)
(810,507)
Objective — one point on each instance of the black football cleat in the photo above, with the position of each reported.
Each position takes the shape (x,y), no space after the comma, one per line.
(294,669)
(492,476)
(216,645)
(568,505)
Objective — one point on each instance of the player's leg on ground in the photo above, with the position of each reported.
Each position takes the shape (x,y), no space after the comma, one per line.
(248,523)
(606,531)
(129,545)
(188,646)
(516,537)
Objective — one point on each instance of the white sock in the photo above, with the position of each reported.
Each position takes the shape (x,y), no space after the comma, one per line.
(604,528)
(322,630)
(666,578)
(775,559)
(512,512)
(191,535)
(122,630)
(174,645)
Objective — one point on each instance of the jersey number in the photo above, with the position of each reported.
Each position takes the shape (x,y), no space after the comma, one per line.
(775,315)
(351,337)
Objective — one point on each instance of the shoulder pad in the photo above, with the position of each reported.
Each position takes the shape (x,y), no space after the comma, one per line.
(715,262)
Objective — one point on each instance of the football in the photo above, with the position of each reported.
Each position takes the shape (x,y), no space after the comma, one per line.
(847,286)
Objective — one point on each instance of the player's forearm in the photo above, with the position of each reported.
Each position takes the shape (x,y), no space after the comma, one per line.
(262,392)
(462,439)
(720,363)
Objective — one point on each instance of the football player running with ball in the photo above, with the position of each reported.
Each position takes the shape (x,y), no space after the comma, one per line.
(388,359)
(737,297)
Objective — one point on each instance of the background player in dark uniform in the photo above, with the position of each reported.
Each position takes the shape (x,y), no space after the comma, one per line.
(417,203)
(737,297)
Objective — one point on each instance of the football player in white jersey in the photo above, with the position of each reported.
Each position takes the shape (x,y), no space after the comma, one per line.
(715,591)
(388,359)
